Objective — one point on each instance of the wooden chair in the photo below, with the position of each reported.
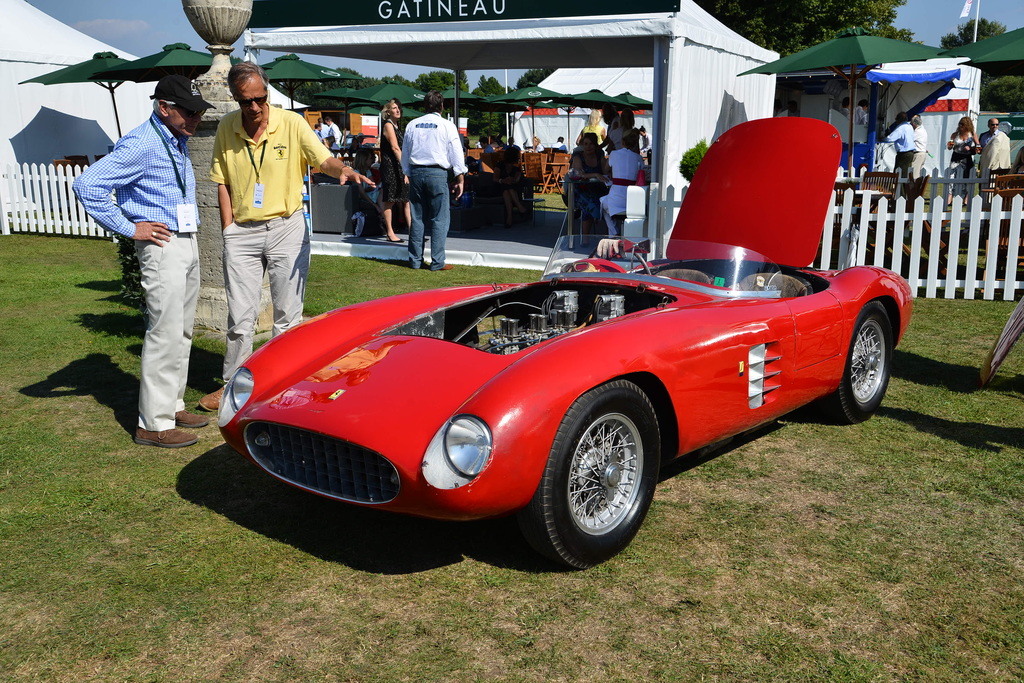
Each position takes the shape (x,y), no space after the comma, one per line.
(882,182)
(490,160)
(1004,182)
(1003,245)
(554,171)
(78,159)
(474,152)
(533,168)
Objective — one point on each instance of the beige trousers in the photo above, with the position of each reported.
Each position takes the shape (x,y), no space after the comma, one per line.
(170,278)
(278,247)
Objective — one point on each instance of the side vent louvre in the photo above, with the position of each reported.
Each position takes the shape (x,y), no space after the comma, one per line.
(763,373)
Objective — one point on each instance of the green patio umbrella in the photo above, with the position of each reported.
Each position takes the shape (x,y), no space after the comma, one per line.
(531,96)
(84,72)
(634,101)
(351,103)
(387,91)
(1001,55)
(176,58)
(289,71)
(851,54)
(466,99)
(592,99)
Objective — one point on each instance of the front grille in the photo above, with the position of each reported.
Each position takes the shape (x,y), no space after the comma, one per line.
(329,466)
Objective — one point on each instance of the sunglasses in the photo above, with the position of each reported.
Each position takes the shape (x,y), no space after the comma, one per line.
(189,113)
(246,103)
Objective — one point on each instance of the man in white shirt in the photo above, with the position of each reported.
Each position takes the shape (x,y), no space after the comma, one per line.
(430,150)
(331,134)
(860,114)
(920,145)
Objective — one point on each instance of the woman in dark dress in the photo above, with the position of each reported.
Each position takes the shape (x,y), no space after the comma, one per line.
(509,176)
(396,190)
(591,175)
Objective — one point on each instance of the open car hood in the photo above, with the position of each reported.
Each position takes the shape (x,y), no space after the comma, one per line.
(764,185)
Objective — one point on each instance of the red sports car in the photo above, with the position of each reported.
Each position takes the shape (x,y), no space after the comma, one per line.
(558,400)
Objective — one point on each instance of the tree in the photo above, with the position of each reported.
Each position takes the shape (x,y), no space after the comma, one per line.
(788,27)
(439,81)
(965,33)
(533,77)
(487,123)
(1005,93)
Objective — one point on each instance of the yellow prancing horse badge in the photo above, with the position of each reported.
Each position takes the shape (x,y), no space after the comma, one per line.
(336,394)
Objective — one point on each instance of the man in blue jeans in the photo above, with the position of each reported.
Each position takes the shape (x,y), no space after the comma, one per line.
(430,150)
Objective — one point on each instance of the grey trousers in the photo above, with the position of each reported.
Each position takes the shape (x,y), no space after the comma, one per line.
(278,247)
(170,278)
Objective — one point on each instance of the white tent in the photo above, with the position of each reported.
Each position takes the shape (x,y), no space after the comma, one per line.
(695,59)
(39,123)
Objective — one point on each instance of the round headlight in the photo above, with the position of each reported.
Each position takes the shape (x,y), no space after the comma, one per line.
(467,444)
(237,392)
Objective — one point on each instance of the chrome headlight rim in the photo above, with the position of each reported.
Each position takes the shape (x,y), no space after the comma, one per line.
(237,393)
(467,445)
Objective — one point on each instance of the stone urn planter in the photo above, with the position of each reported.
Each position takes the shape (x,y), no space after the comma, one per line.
(219,23)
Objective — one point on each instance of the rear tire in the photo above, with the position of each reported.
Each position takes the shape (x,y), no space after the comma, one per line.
(868,365)
(599,479)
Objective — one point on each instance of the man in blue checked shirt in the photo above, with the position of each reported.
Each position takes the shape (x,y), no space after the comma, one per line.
(150,173)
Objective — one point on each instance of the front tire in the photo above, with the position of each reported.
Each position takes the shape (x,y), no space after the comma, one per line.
(599,479)
(868,365)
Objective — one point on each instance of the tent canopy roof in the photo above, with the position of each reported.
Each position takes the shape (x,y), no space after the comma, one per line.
(623,40)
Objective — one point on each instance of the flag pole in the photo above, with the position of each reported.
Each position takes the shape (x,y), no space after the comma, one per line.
(977,18)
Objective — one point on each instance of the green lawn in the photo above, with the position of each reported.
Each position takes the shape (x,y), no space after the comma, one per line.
(891,550)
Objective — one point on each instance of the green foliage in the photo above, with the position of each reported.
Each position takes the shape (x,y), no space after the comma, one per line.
(789,27)
(965,33)
(131,276)
(487,123)
(533,77)
(1005,93)
(440,81)
(692,158)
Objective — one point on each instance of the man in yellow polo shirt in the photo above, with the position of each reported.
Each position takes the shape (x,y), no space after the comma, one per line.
(260,155)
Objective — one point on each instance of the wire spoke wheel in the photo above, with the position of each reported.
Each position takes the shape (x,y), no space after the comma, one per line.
(603,476)
(868,360)
(866,375)
(599,479)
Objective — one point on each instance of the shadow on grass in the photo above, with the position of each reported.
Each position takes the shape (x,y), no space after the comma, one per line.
(709,453)
(362,538)
(96,375)
(101,285)
(121,324)
(205,367)
(930,372)
(978,435)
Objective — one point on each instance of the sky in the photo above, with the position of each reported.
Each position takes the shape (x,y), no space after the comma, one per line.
(142,27)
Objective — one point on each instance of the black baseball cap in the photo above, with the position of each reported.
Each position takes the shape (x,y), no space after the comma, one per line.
(181,91)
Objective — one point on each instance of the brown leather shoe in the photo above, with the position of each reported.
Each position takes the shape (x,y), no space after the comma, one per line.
(183,418)
(446,266)
(211,401)
(169,438)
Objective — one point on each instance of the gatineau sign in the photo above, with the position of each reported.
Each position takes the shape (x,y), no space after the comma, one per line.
(301,13)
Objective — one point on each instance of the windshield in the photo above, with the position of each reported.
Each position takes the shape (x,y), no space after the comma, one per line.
(717,269)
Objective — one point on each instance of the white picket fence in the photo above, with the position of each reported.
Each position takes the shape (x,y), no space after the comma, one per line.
(37,198)
(939,250)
